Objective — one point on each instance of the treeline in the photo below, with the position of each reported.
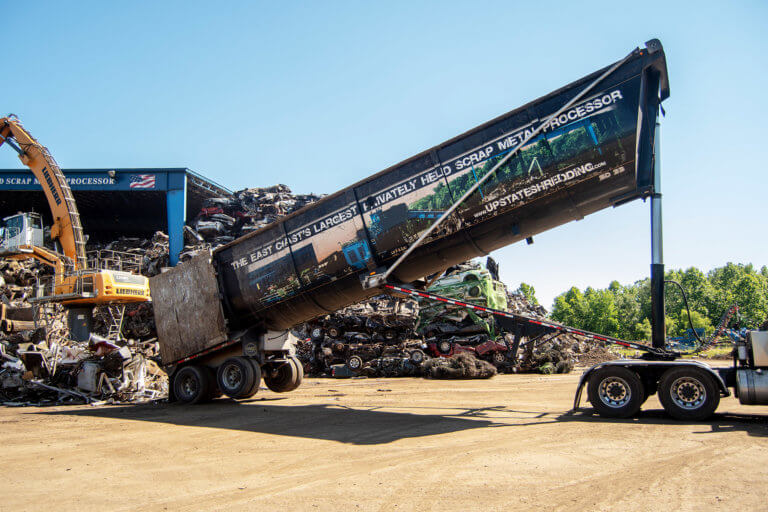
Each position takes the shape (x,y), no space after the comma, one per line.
(625,311)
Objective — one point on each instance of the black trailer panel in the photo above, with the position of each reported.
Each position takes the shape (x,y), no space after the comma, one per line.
(596,154)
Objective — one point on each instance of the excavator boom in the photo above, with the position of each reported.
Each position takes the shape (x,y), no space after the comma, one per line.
(66,228)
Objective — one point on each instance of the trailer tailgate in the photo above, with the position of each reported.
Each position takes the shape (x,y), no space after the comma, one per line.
(188,312)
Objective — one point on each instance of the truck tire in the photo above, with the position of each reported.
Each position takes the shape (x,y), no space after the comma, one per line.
(192,385)
(236,377)
(256,379)
(283,377)
(688,393)
(299,373)
(615,392)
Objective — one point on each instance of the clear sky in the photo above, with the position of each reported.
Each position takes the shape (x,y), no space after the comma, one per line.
(318,95)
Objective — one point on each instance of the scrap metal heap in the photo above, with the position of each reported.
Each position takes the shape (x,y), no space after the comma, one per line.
(41,365)
(390,336)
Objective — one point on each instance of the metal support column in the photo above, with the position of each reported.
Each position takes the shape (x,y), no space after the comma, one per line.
(176,205)
(659,331)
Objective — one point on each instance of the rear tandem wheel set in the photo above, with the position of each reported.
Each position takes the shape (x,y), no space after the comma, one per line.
(687,393)
(237,377)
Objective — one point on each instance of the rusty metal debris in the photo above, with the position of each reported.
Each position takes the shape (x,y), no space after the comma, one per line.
(41,365)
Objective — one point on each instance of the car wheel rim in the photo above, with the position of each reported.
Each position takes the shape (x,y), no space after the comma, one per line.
(688,393)
(614,392)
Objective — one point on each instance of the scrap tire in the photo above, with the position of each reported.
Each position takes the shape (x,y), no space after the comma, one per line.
(417,356)
(192,384)
(355,363)
(615,392)
(284,377)
(335,332)
(236,377)
(688,393)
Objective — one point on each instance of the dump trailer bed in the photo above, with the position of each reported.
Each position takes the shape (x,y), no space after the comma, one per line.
(595,154)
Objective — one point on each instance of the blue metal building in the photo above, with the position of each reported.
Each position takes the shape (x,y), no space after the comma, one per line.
(119,202)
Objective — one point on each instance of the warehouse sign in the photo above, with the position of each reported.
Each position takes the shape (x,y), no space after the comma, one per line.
(108,179)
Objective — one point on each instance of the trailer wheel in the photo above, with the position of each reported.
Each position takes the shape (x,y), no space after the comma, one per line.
(236,377)
(192,385)
(615,392)
(299,373)
(284,376)
(256,379)
(688,394)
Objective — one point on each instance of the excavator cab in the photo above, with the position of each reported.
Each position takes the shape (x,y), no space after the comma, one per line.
(22,229)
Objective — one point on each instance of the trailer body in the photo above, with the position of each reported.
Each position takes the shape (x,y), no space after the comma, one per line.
(595,155)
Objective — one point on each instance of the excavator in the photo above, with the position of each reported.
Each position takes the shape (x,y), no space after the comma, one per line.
(75,285)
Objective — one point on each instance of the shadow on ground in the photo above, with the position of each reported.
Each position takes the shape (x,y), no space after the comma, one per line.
(753,424)
(342,424)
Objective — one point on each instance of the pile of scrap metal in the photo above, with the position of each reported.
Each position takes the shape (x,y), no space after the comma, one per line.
(222,219)
(40,365)
(390,336)
(151,254)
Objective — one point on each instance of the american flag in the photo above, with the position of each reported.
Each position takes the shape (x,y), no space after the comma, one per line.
(142,181)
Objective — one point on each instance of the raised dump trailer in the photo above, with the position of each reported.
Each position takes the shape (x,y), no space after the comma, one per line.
(578,150)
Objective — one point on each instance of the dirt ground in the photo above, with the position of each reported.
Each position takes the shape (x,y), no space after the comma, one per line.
(384,444)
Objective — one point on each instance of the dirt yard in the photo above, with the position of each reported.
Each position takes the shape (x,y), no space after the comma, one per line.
(397,444)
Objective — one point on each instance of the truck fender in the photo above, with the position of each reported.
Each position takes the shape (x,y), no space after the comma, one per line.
(580,388)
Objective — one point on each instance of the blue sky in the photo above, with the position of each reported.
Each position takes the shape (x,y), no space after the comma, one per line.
(318,95)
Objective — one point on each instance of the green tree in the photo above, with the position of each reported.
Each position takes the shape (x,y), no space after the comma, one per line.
(528,292)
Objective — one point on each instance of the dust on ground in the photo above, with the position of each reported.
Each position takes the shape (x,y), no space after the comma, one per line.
(384,444)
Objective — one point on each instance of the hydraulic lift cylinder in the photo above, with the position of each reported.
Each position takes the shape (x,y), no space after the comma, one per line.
(658,332)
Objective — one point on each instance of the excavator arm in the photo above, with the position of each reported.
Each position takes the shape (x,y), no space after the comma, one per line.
(66,228)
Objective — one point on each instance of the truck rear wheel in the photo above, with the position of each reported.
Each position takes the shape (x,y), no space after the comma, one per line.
(237,377)
(615,392)
(285,376)
(192,385)
(688,393)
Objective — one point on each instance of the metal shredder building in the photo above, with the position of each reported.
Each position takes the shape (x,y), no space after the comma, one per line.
(119,202)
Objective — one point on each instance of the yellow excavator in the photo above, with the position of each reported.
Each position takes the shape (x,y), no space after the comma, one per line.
(74,284)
